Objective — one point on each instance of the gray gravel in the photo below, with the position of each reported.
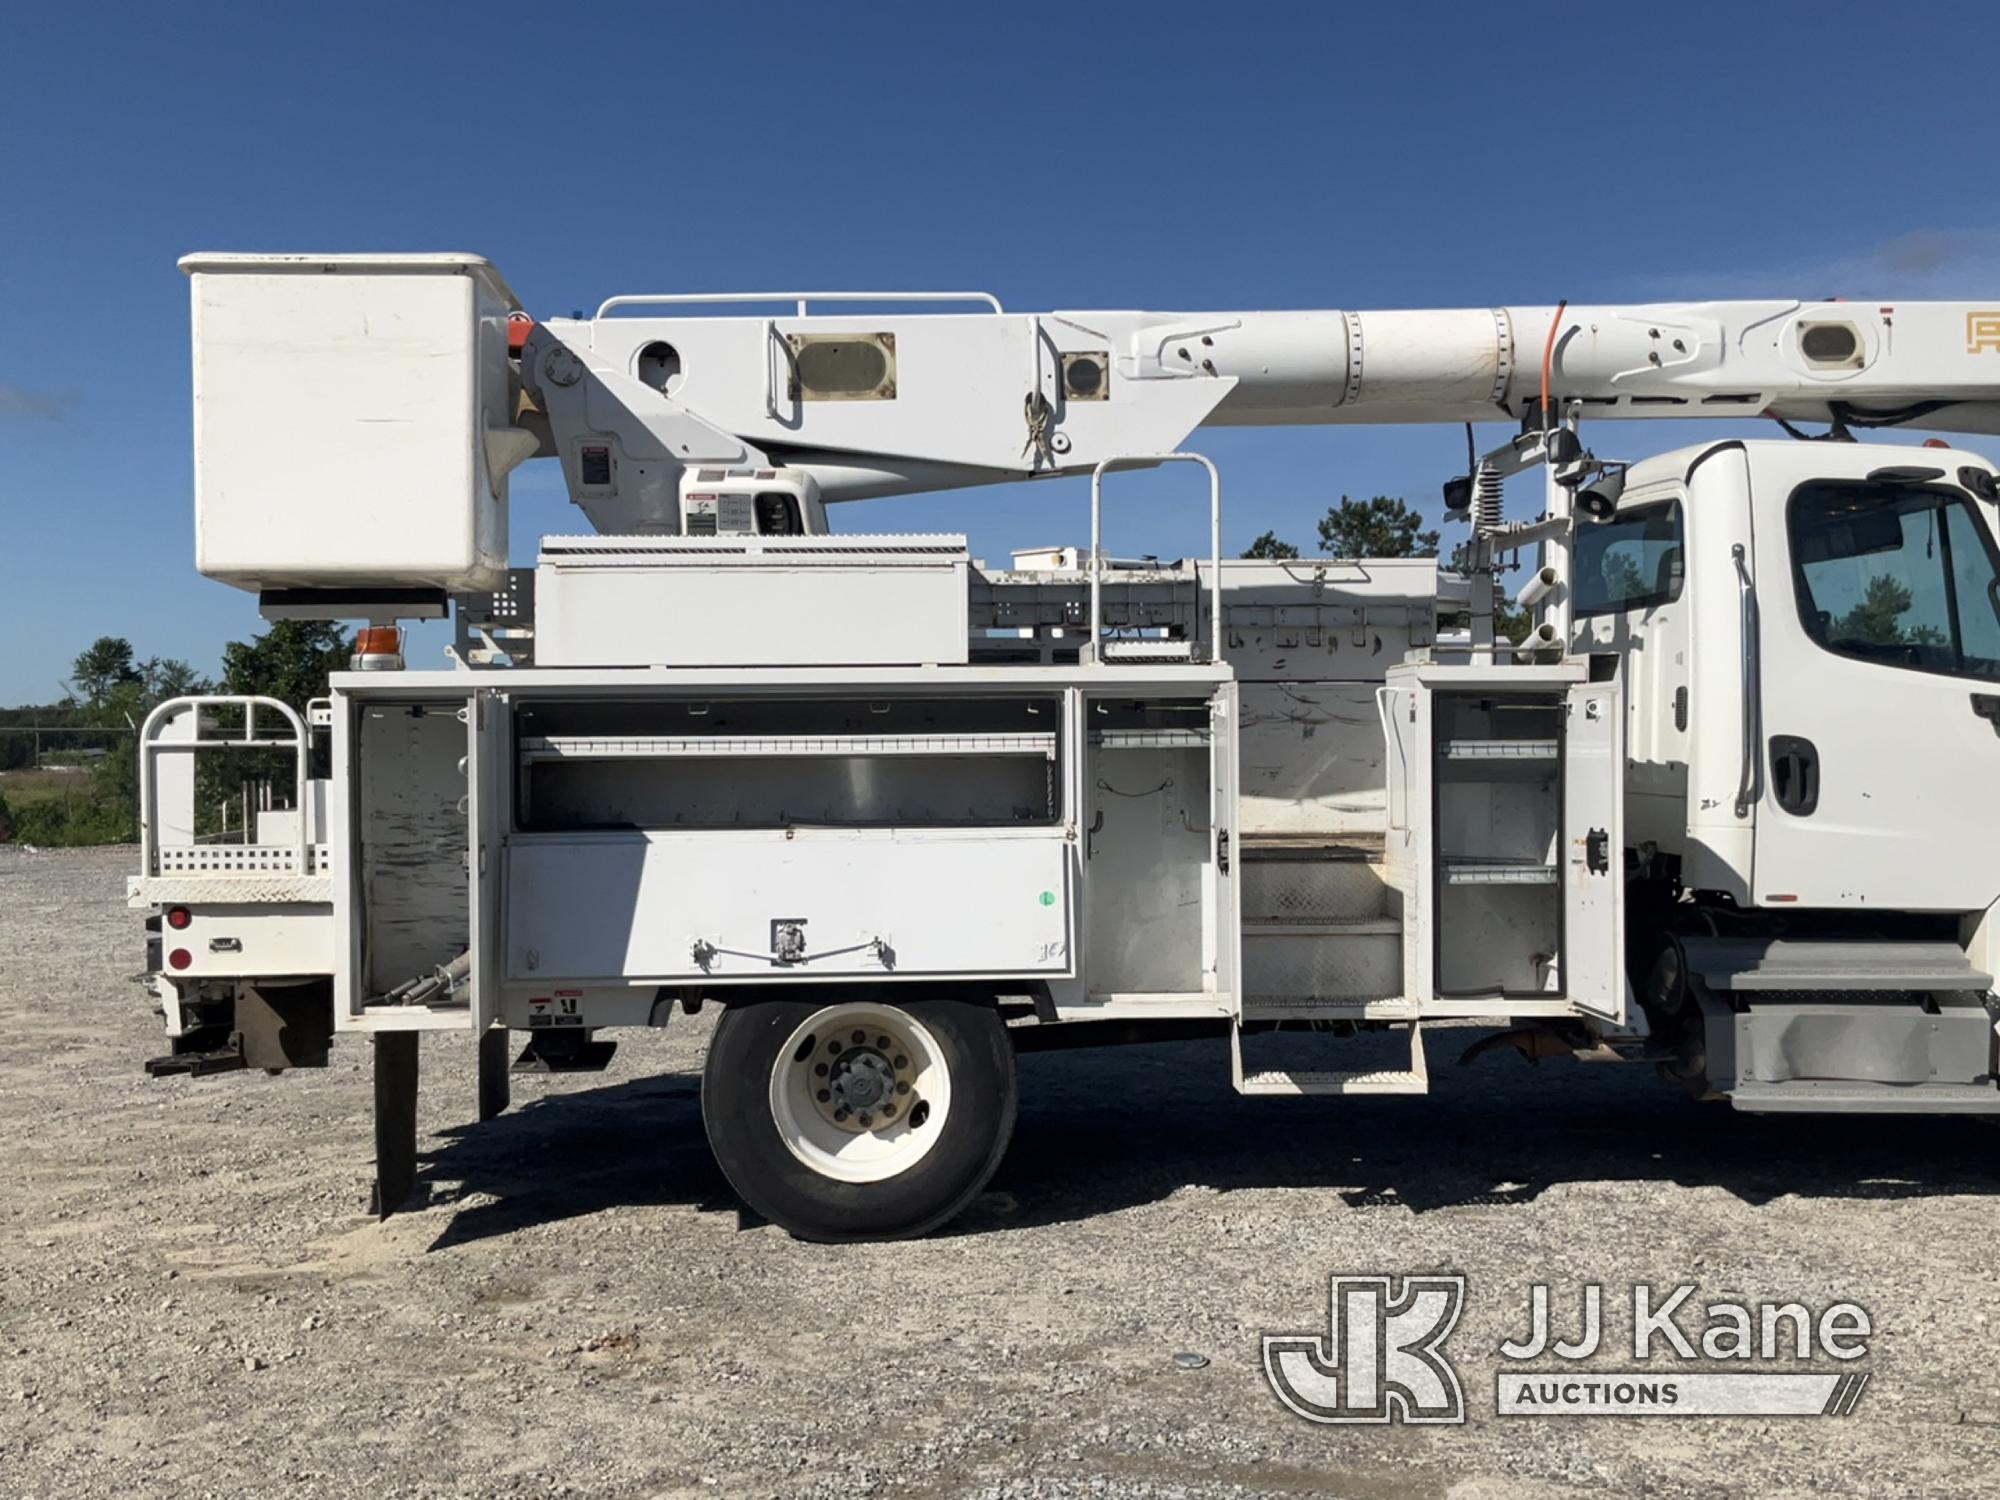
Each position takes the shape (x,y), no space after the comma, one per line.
(193,1302)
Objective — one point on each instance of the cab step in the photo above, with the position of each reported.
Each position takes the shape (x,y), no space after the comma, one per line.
(1414,1079)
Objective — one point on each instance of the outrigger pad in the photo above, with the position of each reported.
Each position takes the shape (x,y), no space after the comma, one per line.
(196,1064)
(564,1052)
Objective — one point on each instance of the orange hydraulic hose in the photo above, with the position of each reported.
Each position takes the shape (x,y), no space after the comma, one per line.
(1548,358)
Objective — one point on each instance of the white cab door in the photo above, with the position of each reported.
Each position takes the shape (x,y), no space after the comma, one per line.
(489,814)
(1878,746)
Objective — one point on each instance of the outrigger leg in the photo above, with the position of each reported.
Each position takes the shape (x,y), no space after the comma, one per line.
(494,1082)
(395,1120)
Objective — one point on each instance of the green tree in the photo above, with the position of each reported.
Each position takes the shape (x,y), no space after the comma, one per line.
(101,667)
(1268,546)
(170,677)
(1378,527)
(1878,619)
(289,661)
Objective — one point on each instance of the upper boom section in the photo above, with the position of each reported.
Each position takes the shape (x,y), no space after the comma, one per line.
(889,400)
(357,416)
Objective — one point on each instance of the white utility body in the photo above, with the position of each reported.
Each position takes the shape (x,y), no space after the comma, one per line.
(1726,808)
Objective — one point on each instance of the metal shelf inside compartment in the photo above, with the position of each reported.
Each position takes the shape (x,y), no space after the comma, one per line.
(623,747)
(1478,750)
(1468,869)
(1149,739)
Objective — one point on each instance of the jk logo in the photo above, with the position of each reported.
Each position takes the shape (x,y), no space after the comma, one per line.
(1382,1360)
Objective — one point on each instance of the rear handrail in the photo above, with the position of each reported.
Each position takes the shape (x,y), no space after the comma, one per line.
(1148,461)
(802,300)
(151,747)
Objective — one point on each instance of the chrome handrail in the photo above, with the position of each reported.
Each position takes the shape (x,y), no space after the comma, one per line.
(1749,786)
(799,299)
(1147,461)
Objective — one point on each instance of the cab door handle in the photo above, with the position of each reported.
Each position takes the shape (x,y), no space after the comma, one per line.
(1987,707)
(1795,774)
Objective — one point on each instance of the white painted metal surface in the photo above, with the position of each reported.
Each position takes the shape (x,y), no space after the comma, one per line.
(353,420)
(751,601)
(828,1138)
(1908,770)
(659,907)
(1102,856)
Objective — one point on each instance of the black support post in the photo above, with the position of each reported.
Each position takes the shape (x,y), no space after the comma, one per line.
(395,1120)
(494,1084)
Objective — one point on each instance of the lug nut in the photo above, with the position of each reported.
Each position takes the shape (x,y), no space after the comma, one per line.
(820,1069)
(864,1119)
(902,1088)
(888,1111)
(901,1061)
(860,1037)
(882,1042)
(841,1113)
(824,1095)
(833,1046)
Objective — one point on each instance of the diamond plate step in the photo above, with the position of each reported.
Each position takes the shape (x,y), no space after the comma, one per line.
(1352,961)
(1381,1081)
(1312,882)
(1414,1079)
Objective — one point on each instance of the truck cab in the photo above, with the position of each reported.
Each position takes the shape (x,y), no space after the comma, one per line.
(1787,615)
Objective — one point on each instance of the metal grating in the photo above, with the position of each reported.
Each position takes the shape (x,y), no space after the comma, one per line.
(238,859)
(620,747)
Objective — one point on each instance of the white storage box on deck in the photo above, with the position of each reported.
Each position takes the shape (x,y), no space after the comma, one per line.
(751,601)
(353,421)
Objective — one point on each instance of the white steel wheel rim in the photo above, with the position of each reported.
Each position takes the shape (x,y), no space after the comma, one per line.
(809,1065)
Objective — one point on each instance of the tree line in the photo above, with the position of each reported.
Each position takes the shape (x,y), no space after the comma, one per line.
(89,737)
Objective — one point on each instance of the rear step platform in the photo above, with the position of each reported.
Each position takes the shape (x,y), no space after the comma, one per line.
(1414,1079)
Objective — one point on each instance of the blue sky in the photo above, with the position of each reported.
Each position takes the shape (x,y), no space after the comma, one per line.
(1159,156)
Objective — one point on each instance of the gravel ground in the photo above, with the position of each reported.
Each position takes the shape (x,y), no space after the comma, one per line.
(192,1300)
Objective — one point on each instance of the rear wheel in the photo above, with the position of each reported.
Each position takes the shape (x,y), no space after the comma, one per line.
(859,1119)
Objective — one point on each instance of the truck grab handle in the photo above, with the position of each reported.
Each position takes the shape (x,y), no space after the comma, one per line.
(1748,785)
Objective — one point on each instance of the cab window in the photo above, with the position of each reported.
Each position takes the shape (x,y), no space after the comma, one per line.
(1632,561)
(1897,574)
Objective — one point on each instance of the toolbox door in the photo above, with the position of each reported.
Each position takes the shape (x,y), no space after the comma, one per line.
(1225,927)
(1592,860)
(489,776)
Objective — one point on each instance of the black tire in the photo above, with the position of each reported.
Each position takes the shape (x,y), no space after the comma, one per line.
(744,1135)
